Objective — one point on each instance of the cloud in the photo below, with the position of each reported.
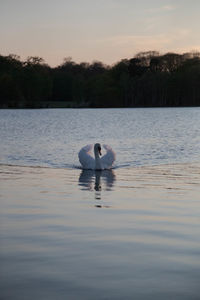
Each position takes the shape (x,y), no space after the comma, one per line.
(168,7)
(165,8)
(129,45)
(138,41)
(146,41)
(192,48)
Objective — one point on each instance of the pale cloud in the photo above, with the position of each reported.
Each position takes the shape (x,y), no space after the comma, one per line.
(128,45)
(189,49)
(156,40)
(138,41)
(168,7)
(165,8)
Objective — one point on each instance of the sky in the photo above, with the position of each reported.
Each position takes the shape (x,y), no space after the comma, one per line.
(97,30)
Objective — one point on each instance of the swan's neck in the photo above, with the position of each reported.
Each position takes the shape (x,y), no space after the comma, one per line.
(97,161)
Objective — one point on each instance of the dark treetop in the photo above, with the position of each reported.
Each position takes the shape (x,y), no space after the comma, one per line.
(148,79)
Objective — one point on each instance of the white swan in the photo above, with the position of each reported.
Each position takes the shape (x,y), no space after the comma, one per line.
(96,163)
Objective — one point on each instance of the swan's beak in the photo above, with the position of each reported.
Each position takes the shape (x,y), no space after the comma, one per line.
(99,148)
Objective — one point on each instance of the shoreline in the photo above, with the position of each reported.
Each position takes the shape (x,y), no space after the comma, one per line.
(95,107)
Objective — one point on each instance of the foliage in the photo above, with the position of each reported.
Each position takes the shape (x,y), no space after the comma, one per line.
(147,79)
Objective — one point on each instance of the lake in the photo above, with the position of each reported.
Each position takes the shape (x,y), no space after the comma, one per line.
(127,233)
(53,137)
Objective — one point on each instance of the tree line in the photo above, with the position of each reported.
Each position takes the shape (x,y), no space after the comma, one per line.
(149,79)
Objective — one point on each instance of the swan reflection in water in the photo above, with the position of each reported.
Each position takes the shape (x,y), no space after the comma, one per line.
(91,180)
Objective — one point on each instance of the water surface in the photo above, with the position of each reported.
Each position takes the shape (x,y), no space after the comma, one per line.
(128,233)
(53,137)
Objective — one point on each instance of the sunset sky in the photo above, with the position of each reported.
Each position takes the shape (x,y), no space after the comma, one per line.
(105,30)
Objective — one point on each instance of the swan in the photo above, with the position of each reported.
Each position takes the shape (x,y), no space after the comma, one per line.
(96,162)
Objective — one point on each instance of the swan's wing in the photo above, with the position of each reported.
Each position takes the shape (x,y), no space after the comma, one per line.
(108,159)
(85,158)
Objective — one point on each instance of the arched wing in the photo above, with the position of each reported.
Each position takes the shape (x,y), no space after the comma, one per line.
(108,159)
(85,158)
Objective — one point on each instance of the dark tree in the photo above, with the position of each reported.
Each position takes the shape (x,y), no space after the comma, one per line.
(147,79)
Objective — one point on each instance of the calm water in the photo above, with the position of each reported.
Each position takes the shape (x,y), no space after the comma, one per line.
(129,233)
(139,136)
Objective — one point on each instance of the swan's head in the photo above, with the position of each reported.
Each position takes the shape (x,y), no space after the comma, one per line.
(97,148)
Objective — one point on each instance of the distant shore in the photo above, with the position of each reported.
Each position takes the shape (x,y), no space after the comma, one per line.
(56,104)
(146,80)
